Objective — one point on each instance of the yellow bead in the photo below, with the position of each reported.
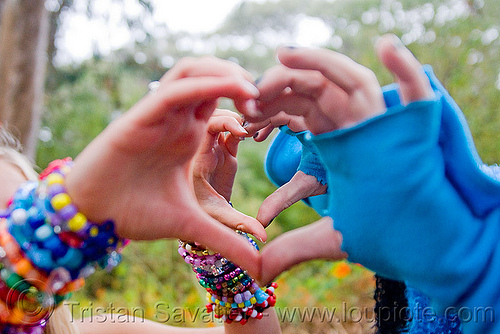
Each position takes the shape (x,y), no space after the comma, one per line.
(54,178)
(59,201)
(253,300)
(94,230)
(217,301)
(241,305)
(77,222)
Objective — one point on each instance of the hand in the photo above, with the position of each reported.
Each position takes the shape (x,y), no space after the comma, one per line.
(214,169)
(314,241)
(285,251)
(137,171)
(331,91)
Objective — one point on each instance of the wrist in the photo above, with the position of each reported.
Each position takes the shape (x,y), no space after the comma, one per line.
(50,247)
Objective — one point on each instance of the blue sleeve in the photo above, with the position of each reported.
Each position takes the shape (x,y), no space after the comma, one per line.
(310,162)
(401,216)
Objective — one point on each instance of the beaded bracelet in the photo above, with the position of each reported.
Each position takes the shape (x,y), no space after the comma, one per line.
(47,249)
(232,294)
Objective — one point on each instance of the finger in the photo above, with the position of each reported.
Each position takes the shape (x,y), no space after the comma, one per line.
(187,94)
(262,134)
(412,80)
(226,112)
(236,220)
(315,241)
(231,144)
(200,227)
(217,124)
(280,78)
(336,67)
(299,187)
(205,66)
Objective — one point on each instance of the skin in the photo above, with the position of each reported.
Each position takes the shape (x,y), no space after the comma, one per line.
(139,168)
(214,170)
(329,91)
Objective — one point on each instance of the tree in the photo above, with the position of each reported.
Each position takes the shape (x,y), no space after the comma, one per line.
(23,43)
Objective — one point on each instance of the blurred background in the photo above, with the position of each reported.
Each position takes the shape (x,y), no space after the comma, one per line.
(69,67)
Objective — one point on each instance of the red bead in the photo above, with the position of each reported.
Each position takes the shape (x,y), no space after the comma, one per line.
(243,321)
(249,312)
(209,308)
(274,285)
(71,239)
(259,315)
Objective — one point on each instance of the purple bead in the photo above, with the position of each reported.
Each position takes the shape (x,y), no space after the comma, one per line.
(68,212)
(56,189)
(247,295)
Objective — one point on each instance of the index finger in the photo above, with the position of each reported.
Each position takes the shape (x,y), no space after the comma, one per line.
(336,67)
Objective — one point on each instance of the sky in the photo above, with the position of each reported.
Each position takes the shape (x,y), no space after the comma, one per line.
(80,35)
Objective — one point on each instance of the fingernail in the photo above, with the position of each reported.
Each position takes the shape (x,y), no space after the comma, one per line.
(268,224)
(256,134)
(397,43)
(242,129)
(249,87)
(245,124)
(251,107)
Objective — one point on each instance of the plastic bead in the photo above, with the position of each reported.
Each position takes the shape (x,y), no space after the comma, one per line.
(59,201)
(77,222)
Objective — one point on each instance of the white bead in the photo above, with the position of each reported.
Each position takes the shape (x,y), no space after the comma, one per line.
(19,216)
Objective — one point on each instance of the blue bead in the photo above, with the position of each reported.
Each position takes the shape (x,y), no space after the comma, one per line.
(41,258)
(71,260)
(54,244)
(248,303)
(260,296)
(35,218)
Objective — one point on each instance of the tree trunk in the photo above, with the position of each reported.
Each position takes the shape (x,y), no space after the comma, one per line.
(23,44)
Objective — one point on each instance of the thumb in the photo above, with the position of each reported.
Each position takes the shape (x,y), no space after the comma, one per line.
(299,187)
(315,241)
(409,74)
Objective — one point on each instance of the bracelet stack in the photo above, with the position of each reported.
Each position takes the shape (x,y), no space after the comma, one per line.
(47,249)
(232,294)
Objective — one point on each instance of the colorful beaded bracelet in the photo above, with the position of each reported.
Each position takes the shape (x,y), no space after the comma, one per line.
(47,248)
(232,294)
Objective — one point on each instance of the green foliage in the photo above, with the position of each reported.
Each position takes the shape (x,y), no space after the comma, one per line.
(82,100)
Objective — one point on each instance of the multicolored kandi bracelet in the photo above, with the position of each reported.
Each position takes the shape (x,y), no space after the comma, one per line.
(47,249)
(232,294)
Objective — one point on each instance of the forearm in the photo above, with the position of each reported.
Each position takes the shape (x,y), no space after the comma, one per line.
(268,324)
(398,213)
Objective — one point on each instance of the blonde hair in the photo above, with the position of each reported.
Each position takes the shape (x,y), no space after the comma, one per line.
(10,150)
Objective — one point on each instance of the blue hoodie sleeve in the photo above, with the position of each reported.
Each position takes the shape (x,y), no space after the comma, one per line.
(401,216)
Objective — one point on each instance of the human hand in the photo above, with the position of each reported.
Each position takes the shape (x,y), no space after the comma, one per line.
(137,171)
(315,241)
(214,169)
(330,90)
